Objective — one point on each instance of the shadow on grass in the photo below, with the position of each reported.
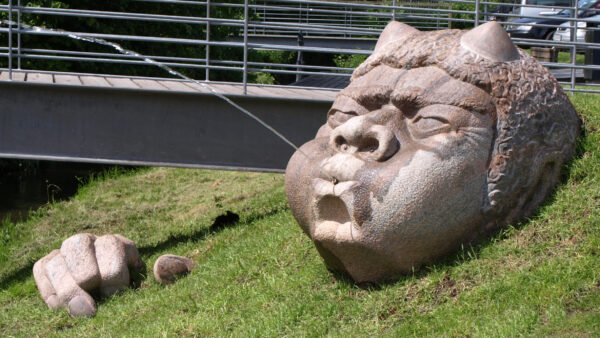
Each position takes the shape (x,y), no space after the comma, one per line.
(224,221)
(227,220)
(17,276)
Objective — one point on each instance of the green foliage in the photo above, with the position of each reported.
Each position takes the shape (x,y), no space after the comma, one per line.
(271,57)
(130,27)
(262,78)
(461,6)
(349,61)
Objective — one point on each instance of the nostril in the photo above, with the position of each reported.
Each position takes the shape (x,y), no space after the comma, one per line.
(379,143)
(341,143)
(369,144)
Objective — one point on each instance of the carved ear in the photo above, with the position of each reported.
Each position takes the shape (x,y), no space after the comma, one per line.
(490,41)
(395,31)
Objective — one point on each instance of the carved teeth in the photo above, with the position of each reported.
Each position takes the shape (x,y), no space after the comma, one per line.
(327,188)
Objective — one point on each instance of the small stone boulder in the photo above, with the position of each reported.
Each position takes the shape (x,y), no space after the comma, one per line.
(168,267)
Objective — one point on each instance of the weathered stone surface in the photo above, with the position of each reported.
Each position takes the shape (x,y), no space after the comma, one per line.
(440,138)
(85,263)
(168,267)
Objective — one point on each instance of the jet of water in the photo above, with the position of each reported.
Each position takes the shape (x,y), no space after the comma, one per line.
(151,61)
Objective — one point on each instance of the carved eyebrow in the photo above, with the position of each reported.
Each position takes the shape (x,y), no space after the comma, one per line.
(415,96)
(370,97)
(345,104)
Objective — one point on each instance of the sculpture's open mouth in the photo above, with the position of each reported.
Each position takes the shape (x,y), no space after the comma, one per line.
(333,212)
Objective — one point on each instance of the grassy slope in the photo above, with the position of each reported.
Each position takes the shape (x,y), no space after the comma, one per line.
(262,276)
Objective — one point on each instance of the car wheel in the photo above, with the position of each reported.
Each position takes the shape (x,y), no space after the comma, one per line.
(549,35)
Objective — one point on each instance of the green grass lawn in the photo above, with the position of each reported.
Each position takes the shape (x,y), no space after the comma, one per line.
(565,57)
(262,276)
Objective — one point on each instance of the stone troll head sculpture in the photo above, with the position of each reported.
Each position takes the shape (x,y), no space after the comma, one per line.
(440,138)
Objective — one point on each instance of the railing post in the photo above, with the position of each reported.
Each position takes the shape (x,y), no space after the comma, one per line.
(476,13)
(207,71)
(394,10)
(19,34)
(10,39)
(485,10)
(574,46)
(299,59)
(345,19)
(245,47)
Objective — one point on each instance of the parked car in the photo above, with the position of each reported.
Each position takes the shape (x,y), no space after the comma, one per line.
(530,8)
(563,32)
(527,8)
(543,27)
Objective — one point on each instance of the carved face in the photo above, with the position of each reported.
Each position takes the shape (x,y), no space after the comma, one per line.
(416,157)
(398,173)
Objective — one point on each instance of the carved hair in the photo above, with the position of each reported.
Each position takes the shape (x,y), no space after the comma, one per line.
(536,125)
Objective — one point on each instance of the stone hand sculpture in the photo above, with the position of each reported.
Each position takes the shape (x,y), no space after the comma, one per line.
(440,137)
(85,263)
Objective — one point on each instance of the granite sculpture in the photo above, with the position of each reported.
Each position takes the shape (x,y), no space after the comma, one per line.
(440,138)
(168,268)
(86,264)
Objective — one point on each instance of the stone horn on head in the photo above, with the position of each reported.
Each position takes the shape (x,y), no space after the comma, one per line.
(394,31)
(491,42)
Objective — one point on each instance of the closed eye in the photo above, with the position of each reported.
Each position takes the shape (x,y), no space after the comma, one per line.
(426,126)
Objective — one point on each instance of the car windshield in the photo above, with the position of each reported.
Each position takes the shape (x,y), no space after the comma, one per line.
(583,4)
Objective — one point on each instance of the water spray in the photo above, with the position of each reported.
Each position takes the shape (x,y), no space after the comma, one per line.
(151,61)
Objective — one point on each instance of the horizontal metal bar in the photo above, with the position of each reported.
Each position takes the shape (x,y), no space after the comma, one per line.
(130,16)
(571,66)
(167,58)
(331,71)
(309,49)
(190,41)
(581,90)
(382,13)
(197,3)
(534,42)
(127,37)
(182,65)
(124,61)
(278,71)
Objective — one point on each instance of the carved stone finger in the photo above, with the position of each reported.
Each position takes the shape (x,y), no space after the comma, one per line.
(112,263)
(134,261)
(69,294)
(43,284)
(80,257)
(82,306)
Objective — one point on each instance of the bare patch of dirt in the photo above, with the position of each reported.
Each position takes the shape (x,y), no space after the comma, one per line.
(446,287)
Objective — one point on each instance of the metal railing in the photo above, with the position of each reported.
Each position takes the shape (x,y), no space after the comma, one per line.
(262,41)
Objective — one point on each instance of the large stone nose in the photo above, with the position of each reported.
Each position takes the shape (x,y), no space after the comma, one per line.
(363,137)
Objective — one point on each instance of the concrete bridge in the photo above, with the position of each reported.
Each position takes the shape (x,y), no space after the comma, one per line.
(161,122)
